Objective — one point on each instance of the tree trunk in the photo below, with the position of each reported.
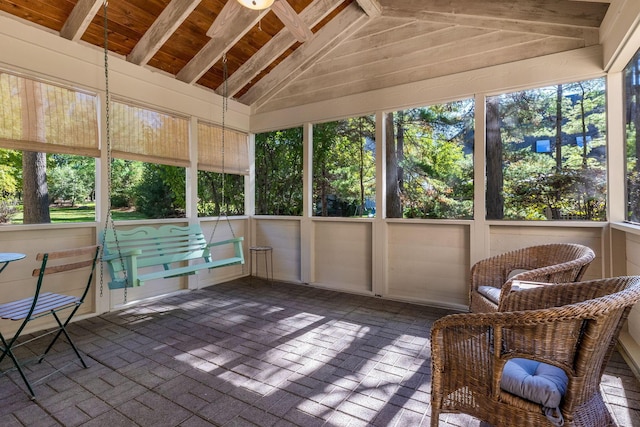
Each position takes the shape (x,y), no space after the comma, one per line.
(35,191)
(394,206)
(400,150)
(35,196)
(361,142)
(495,200)
(559,128)
(585,151)
(633,116)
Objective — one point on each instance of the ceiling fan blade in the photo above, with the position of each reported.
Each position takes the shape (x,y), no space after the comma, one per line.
(291,20)
(226,15)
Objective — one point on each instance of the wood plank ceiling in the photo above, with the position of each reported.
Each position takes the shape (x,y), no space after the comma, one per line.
(353,46)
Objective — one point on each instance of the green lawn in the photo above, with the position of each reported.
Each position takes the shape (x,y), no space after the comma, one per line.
(80,213)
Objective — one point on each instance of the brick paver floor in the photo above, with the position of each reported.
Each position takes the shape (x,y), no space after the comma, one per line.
(241,354)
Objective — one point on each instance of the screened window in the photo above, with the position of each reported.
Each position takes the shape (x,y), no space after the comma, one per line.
(632,116)
(223,161)
(564,179)
(48,141)
(150,151)
(344,168)
(430,161)
(279,172)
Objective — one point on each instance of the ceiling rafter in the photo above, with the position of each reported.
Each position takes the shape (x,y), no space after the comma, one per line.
(81,16)
(371,7)
(282,41)
(235,22)
(292,21)
(351,19)
(164,26)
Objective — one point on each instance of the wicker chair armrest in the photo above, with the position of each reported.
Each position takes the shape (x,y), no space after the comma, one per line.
(562,272)
(559,294)
(495,270)
(490,271)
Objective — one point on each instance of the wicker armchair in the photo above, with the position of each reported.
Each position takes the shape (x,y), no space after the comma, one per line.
(577,334)
(492,278)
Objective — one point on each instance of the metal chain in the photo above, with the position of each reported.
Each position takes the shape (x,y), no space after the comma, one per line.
(109,222)
(225,105)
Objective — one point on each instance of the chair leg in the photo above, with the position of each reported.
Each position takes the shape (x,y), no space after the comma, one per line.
(7,351)
(62,330)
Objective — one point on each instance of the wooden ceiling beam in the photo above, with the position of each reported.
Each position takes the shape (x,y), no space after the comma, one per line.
(288,16)
(235,22)
(80,18)
(351,19)
(371,7)
(589,34)
(282,41)
(164,26)
(588,15)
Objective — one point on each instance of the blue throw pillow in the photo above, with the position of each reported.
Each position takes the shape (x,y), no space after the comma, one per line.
(538,382)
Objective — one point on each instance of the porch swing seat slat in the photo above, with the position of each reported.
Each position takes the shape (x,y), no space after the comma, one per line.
(131,255)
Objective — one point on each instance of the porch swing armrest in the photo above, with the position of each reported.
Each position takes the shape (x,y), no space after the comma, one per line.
(123,253)
(225,242)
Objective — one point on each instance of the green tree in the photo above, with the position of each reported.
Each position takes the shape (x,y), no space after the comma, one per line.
(344,166)
(632,116)
(126,176)
(71,178)
(212,202)
(161,193)
(279,172)
(568,180)
(433,147)
(10,174)
(67,185)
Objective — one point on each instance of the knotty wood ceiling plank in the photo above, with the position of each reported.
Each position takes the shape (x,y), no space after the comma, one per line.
(560,12)
(405,39)
(366,82)
(433,48)
(501,24)
(51,15)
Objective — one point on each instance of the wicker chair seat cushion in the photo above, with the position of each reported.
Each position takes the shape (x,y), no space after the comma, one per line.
(491,293)
(538,382)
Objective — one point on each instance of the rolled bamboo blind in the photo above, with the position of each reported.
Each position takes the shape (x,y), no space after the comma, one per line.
(150,136)
(210,150)
(42,117)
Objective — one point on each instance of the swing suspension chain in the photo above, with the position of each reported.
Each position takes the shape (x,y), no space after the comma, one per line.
(225,105)
(109,222)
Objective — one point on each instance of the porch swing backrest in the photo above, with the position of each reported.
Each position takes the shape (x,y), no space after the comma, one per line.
(131,254)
